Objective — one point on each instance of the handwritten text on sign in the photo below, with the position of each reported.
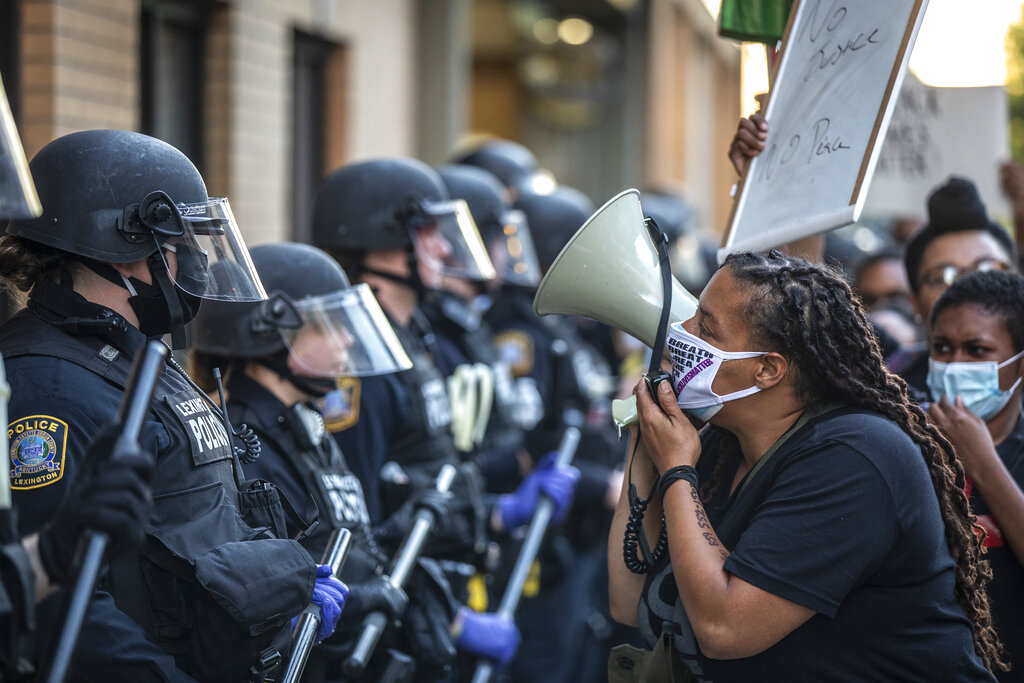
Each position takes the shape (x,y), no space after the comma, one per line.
(828,105)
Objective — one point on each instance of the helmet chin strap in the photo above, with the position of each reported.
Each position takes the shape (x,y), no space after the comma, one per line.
(413,280)
(311,386)
(158,270)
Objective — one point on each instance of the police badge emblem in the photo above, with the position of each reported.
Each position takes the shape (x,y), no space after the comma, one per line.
(340,407)
(37,450)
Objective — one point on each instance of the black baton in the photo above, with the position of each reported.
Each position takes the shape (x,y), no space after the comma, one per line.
(149,363)
(528,552)
(304,635)
(402,566)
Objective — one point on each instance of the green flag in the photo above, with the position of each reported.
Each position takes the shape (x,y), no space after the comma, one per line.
(755,21)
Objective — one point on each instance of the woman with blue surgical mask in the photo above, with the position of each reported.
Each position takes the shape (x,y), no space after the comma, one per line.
(974,378)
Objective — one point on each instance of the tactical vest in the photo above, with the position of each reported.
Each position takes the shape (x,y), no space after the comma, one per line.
(423,445)
(191,585)
(452,318)
(299,435)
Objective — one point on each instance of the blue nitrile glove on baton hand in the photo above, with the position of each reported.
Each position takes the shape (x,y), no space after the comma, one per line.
(329,594)
(557,481)
(493,636)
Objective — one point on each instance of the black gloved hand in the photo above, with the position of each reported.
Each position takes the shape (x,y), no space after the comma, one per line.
(430,499)
(375,595)
(110,494)
(395,527)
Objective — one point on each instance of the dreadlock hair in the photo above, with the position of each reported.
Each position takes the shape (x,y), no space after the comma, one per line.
(808,314)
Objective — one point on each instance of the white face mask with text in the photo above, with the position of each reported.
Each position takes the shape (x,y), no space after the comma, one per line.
(695,364)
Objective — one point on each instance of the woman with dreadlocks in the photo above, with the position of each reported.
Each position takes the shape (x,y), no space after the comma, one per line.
(817,529)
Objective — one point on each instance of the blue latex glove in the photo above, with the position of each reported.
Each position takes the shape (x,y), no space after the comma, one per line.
(486,635)
(329,594)
(559,482)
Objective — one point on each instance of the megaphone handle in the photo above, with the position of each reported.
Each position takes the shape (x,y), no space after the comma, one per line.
(661,245)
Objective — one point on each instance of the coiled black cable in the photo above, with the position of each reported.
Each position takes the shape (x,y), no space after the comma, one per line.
(634,536)
(252,449)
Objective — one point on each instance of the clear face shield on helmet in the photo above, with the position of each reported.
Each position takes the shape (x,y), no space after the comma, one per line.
(512,251)
(18,199)
(203,248)
(342,334)
(448,243)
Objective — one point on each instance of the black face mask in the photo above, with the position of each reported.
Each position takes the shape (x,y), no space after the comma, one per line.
(160,307)
(152,309)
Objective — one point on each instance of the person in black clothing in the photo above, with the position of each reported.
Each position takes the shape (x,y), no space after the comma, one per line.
(391,224)
(280,356)
(975,383)
(555,357)
(823,534)
(122,253)
(465,341)
(958,238)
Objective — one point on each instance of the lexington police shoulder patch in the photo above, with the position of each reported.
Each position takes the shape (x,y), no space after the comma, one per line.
(38,448)
(340,407)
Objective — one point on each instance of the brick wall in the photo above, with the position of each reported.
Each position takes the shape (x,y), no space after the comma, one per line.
(80,70)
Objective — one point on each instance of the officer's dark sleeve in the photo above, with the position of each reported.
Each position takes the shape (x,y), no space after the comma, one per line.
(367,441)
(111,646)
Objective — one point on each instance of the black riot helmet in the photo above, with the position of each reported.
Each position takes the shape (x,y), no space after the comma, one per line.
(509,161)
(394,203)
(554,218)
(505,230)
(313,316)
(112,196)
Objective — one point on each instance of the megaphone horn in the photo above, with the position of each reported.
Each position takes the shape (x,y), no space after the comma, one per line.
(609,272)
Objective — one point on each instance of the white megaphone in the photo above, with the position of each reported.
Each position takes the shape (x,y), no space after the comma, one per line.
(609,272)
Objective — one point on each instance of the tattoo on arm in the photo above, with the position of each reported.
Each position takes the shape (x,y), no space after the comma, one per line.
(703,523)
(702,518)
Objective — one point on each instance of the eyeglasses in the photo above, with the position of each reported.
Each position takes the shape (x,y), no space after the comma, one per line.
(944,275)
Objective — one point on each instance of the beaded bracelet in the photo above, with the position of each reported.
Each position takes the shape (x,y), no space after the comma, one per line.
(674,474)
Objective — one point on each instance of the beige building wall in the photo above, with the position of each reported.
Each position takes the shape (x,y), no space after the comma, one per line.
(80,70)
(693,107)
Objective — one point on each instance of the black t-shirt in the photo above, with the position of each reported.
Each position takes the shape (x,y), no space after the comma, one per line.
(843,519)
(1006,591)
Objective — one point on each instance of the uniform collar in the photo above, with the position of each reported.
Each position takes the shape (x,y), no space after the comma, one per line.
(76,315)
(256,398)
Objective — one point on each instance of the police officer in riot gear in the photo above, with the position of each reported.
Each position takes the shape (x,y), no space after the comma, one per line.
(372,217)
(128,244)
(392,225)
(572,379)
(315,327)
(112,499)
(281,354)
(466,354)
(392,222)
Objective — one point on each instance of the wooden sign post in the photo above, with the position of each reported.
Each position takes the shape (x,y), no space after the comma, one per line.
(833,92)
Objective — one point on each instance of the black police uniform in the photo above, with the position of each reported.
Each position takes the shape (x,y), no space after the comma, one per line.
(207,587)
(462,337)
(546,352)
(401,435)
(301,458)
